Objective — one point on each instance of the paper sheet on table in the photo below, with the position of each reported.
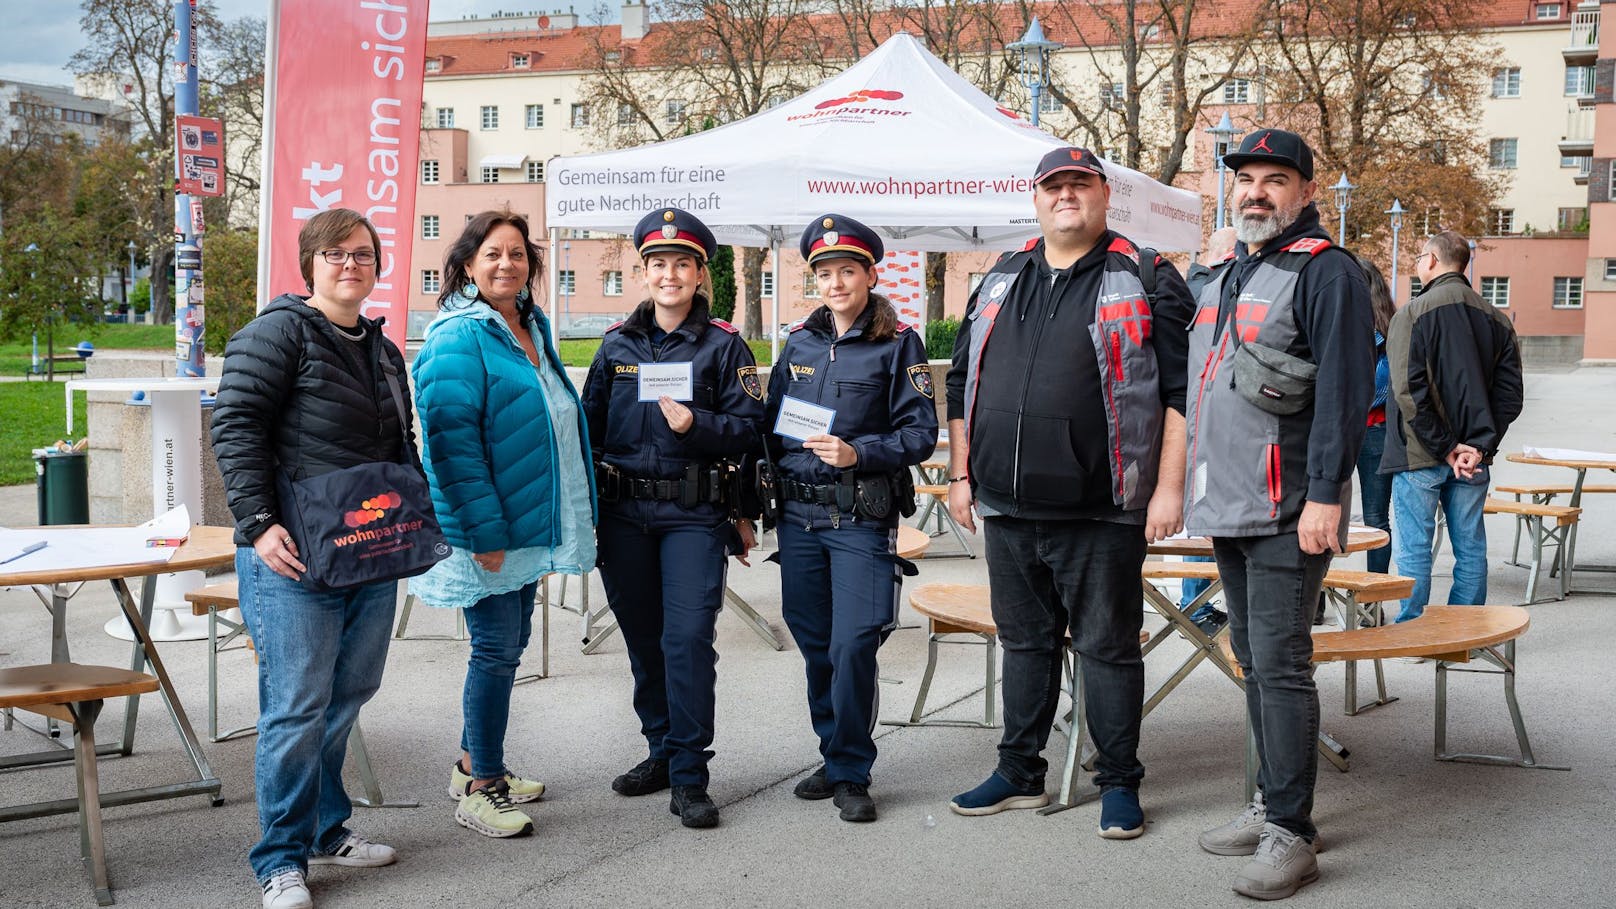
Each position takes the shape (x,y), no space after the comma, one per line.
(76,548)
(1568,454)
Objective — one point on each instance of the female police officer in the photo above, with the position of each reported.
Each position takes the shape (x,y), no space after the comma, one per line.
(851,401)
(674,405)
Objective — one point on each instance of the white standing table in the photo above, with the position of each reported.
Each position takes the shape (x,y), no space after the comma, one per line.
(176,479)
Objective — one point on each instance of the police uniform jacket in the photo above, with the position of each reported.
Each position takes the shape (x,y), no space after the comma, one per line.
(634,437)
(881,392)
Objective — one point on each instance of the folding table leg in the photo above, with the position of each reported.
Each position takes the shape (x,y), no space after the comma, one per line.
(373,797)
(1506,664)
(1076,738)
(92,846)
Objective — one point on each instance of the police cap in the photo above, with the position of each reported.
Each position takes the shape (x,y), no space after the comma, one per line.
(835,236)
(674,230)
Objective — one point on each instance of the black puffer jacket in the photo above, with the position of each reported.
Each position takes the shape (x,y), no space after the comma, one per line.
(293,395)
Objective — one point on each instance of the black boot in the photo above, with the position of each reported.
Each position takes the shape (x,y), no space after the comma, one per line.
(855,802)
(693,806)
(815,787)
(648,776)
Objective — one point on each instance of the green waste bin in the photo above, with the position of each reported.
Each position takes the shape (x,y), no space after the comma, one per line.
(64,486)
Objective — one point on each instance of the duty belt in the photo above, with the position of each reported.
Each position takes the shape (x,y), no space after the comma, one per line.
(807,492)
(703,485)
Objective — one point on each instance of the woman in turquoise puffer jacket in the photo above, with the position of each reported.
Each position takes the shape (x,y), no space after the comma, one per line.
(507,455)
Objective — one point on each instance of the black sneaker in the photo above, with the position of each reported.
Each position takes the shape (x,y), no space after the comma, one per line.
(855,802)
(693,806)
(648,776)
(1213,622)
(815,787)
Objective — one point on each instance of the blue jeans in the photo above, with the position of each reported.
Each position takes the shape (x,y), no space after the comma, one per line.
(1375,489)
(320,658)
(840,602)
(1416,494)
(500,626)
(1192,588)
(1271,588)
(1048,579)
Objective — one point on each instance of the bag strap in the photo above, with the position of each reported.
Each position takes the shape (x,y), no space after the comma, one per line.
(1147,274)
(391,372)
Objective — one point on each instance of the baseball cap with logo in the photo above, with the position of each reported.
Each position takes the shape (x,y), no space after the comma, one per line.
(1275,146)
(1065,159)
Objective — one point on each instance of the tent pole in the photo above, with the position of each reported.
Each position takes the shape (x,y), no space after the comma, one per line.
(774,306)
(555,296)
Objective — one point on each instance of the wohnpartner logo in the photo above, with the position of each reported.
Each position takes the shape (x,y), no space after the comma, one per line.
(862,104)
(372,509)
(863,96)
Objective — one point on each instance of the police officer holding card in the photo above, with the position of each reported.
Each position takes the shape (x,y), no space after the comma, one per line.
(850,411)
(674,406)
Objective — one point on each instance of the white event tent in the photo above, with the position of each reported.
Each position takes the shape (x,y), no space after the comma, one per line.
(898,141)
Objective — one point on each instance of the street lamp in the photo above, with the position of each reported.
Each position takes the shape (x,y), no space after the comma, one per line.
(1223,136)
(129,285)
(1033,51)
(1396,212)
(1343,201)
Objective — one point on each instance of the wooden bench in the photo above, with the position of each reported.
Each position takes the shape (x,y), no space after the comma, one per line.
(1452,636)
(1542,494)
(74,694)
(1359,594)
(47,367)
(216,598)
(1547,524)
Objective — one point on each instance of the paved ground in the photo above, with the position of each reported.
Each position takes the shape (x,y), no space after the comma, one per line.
(1403,829)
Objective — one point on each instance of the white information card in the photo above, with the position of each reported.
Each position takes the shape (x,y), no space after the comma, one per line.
(672,379)
(799,419)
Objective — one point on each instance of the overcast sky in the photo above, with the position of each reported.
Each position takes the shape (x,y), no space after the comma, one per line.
(38,38)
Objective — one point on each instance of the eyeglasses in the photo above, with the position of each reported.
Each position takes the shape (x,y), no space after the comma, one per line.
(361,257)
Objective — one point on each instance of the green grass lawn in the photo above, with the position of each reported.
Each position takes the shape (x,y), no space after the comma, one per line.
(581,352)
(17,355)
(31,415)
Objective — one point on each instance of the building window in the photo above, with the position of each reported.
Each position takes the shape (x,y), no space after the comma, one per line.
(429,227)
(614,284)
(625,114)
(535,171)
(1507,82)
(435,65)
(766,285)
(1431,221)
(1572,219)
(1501,154)
(1571,161)
(613,56)
(709,53)
(445,118)
(1237,91)
(567,282)
(580,116)
(1579,82)
(1048,103)
(1548,10)
(518,61)
(1567,293)
(675,113)
(1415,286)
(533,116)
(429,281)
(810,287)
(1501,221)
(490,175)
(1610,269)
(429,171)
(490,116)
(1495,291)
(976,281)
(1610,179)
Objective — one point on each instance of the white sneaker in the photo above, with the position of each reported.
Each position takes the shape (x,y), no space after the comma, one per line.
(356,852)
(1409,659)
(287,890)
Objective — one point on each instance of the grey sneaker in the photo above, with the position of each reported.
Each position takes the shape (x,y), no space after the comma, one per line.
(1284,863)
(1241,835)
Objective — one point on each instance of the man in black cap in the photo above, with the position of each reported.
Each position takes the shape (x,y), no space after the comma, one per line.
(1282,358)
(1067,436)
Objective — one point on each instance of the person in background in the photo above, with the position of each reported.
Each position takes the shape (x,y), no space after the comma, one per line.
(675,406)
(507,454)
(1219,251)
(840,487)
(1456,388)
(1375,488)
(304,391)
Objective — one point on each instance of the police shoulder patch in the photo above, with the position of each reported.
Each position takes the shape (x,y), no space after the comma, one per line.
(616,325)
(749,381)
(720,323)
(920,378)
(904,326)
(798,325)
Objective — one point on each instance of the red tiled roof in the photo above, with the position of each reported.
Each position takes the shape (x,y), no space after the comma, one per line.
(571,50)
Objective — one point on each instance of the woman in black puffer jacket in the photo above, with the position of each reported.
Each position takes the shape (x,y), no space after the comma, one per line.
(303,391)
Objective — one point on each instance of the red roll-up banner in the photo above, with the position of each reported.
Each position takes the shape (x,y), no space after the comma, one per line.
(345,133)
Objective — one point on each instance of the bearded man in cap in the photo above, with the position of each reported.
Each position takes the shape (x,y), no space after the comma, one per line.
(1065,415)
(1282,366)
